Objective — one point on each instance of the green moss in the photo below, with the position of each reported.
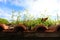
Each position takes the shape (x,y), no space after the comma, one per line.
(4,21)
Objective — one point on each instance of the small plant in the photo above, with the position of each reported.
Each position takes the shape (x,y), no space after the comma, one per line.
(18,18)
(12,17)
(29,20)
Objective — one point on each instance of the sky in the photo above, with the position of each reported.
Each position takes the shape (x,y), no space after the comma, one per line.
(36,8)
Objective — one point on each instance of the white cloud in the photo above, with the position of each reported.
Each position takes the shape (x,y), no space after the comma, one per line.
(38,7)
(5,14)
(3,1)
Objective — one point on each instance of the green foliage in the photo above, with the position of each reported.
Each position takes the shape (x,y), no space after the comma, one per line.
(29,20)
(32,23)
(5,21)
(49,22)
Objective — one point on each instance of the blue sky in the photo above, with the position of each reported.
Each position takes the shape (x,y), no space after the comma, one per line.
(35,8)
